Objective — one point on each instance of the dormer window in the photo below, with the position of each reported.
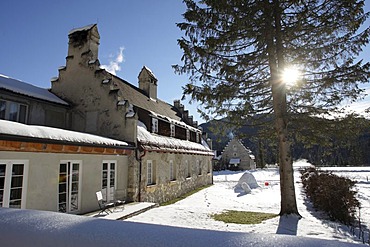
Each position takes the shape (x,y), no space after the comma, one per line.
(187,135)
(172,127)
(197,137)
(154,125)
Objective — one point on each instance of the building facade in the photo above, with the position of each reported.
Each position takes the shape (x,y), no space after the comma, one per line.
(52,169)
(164,155)
(165,135)
(236,156)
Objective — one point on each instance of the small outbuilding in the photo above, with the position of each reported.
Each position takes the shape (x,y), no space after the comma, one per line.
(236,156)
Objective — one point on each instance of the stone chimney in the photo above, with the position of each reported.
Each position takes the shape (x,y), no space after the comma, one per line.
(186,114)
(176,103)
(148,83)
(83,44)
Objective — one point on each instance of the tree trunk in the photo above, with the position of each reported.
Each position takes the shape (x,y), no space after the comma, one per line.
(288,204)
(276,62)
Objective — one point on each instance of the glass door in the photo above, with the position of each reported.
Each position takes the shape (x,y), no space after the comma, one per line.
(12,180)
(108,180)
(2,183)
(69,187)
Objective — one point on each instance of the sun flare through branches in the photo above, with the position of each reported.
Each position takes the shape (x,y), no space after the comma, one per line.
(290,76)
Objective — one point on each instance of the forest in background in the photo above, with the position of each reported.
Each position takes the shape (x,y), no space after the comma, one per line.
(322,142)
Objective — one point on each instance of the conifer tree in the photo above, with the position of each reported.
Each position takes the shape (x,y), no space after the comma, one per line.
(236,51)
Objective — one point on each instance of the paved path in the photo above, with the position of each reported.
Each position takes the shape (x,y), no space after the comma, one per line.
(124,211)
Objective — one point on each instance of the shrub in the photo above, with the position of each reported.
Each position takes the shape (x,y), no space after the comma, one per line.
(331,194)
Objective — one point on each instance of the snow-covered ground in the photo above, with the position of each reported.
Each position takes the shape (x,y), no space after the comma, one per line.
(195,211)
(41,228)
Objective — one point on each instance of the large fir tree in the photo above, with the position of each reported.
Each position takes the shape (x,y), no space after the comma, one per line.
(235,52)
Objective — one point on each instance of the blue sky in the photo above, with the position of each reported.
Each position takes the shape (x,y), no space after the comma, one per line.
(34,39)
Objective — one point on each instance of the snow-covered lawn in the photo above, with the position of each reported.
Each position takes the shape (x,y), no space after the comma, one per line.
(195,211)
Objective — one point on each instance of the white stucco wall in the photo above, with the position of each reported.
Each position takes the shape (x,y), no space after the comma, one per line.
(43,178)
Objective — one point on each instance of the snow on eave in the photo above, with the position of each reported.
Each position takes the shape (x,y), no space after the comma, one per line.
(173,121)
(20,87)
(42,132)
(173,144)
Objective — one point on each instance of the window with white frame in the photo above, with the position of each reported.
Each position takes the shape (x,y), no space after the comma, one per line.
(150,172)
(154,125)
(197,137)
(13,111)
(69,186)
(172,171)
(13,182)
(209,167)
(109,179)
(187,135)
(172,128)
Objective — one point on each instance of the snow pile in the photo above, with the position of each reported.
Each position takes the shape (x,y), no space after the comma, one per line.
(246,183)
(42,132)
(158,142)
(301,163)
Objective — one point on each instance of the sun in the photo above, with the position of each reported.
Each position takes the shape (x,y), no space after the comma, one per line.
(290,76)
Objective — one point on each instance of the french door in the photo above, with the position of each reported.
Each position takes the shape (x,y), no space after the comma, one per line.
(109,180)
(69,186)
(13,183)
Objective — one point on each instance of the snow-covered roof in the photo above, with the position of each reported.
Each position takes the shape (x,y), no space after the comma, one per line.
(157,143)
(42,132)
(79,29)
(20,87)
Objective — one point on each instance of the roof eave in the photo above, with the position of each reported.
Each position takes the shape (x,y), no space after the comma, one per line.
(8,137)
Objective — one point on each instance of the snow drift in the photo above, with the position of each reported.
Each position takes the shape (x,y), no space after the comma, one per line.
(40,228)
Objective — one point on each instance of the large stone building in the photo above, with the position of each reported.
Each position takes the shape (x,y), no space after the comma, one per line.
(165,155)
(170,158)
